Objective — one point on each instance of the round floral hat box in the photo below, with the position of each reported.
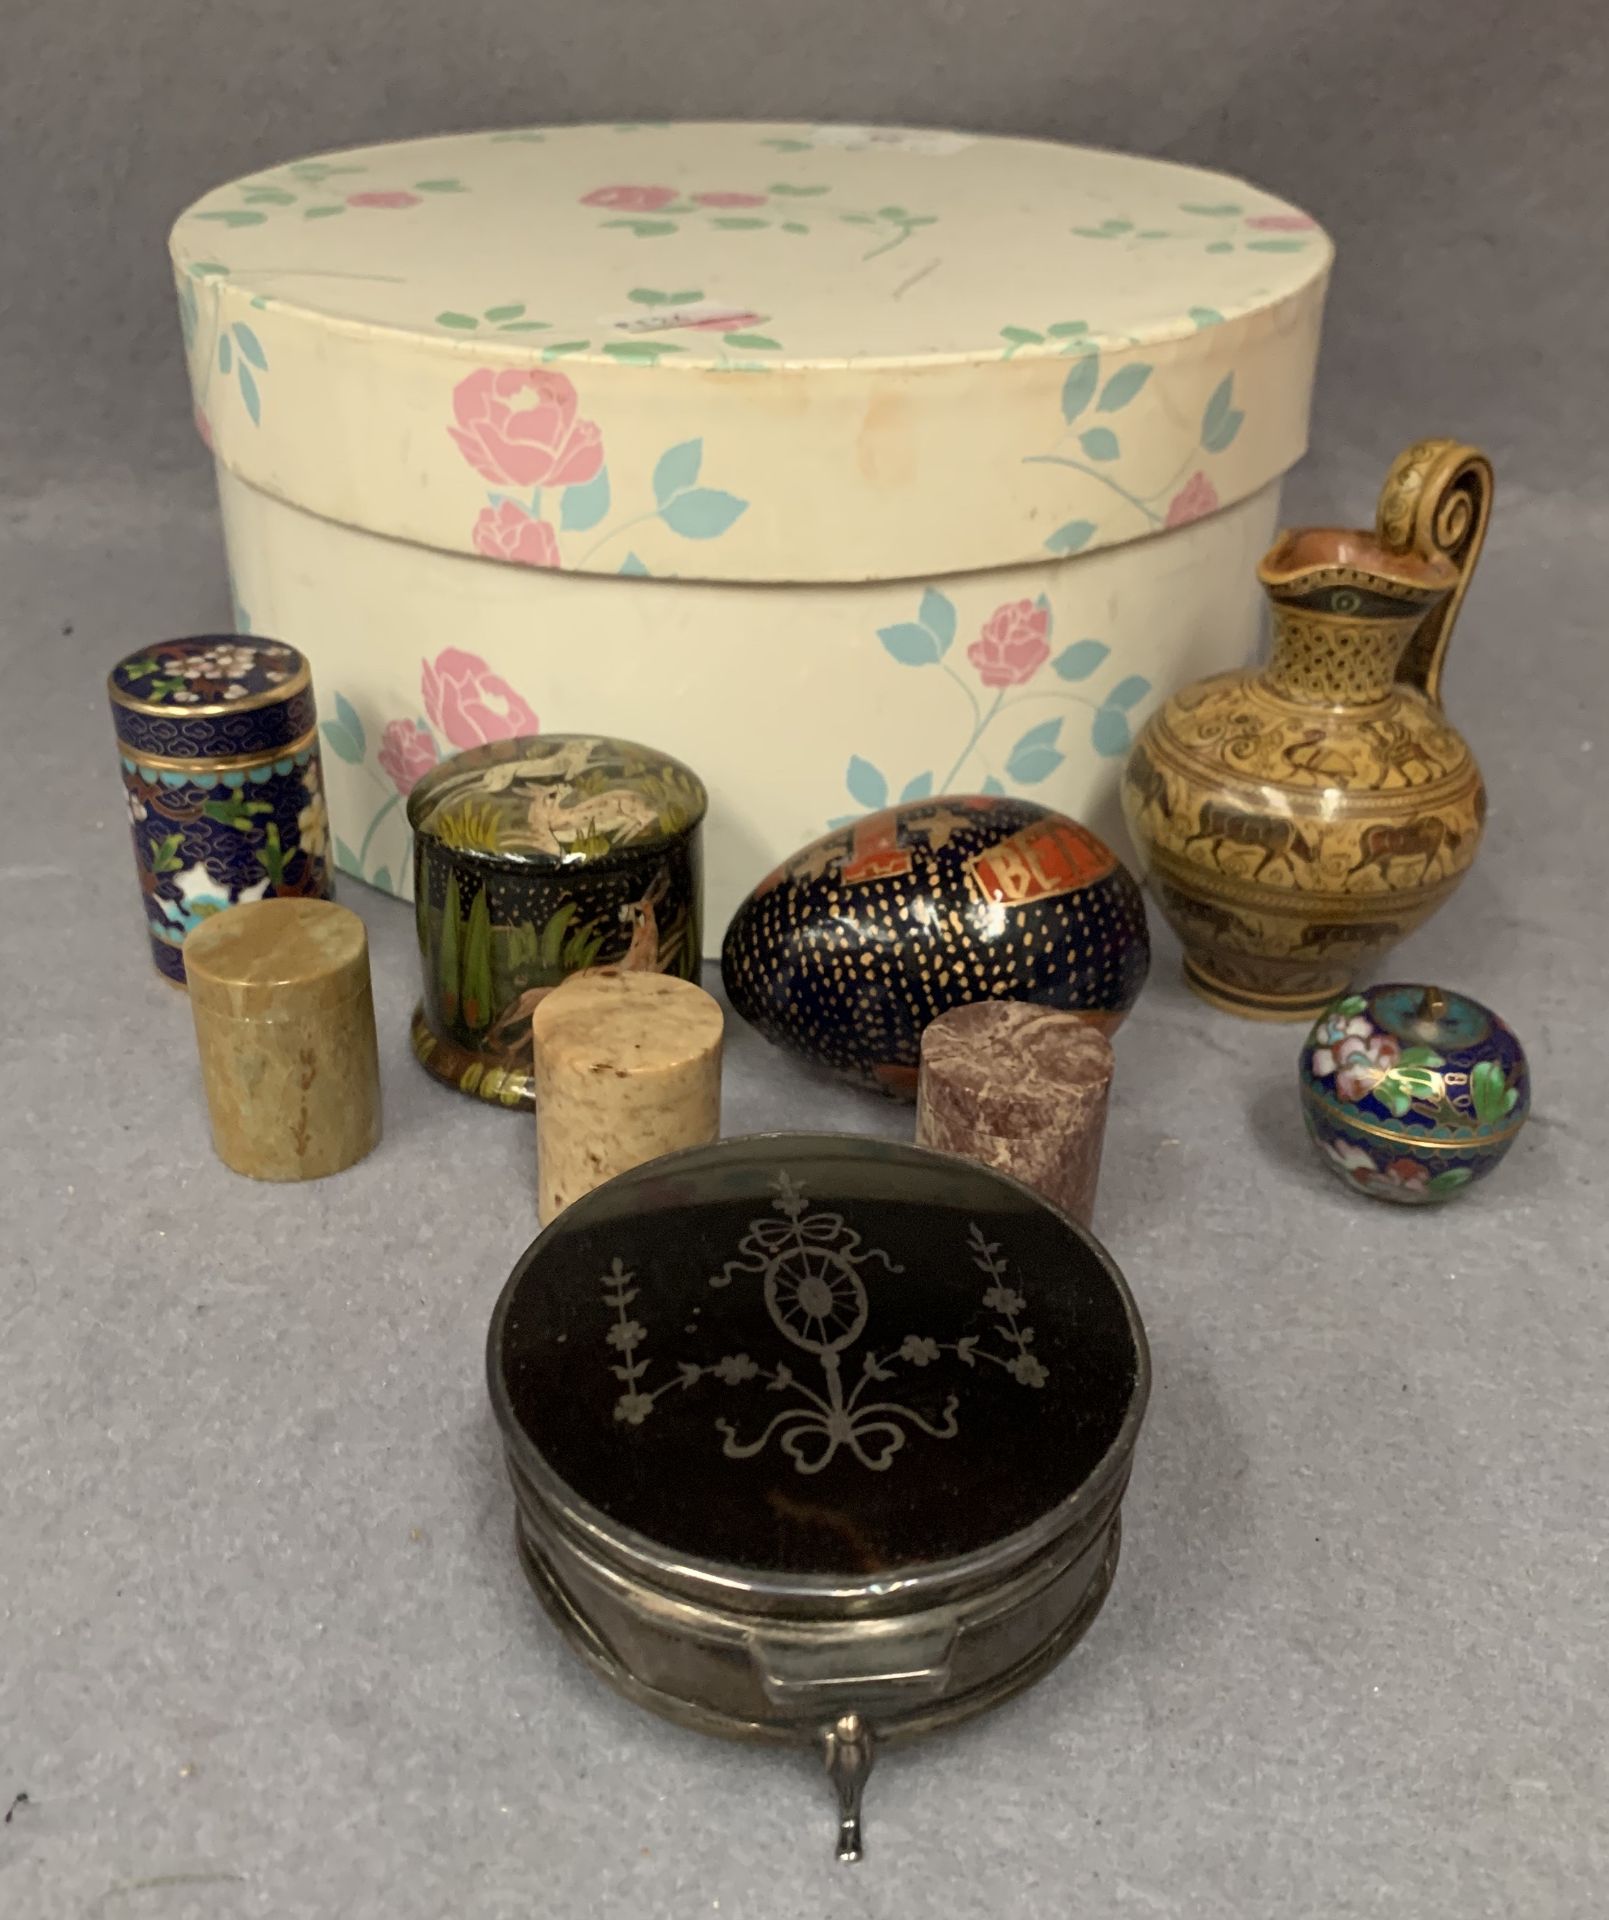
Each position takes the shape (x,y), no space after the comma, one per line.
(1017,411)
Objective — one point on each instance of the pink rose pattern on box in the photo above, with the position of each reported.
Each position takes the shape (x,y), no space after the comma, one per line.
(465,705)
(1194,501)
(509,532)
(1008,656)
(1014,644)
(785,206)
(393,200)
(521,427)
(407,753)
(469,703)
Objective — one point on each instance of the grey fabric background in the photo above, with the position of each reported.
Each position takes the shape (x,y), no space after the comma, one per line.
(264,1649)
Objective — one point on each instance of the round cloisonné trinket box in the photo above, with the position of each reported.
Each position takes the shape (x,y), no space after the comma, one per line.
(847,951)
(219,746)
(534,859)
(818,1439)
(1411,1093)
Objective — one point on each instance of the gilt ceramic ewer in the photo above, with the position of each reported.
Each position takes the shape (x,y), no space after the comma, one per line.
(1298,820)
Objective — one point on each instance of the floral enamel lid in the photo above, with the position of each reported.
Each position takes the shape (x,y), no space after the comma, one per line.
(557,799)
(212,696)
(824,1361)
(750,351)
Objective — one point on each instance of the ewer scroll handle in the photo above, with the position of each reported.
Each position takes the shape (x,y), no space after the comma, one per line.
(1437,499)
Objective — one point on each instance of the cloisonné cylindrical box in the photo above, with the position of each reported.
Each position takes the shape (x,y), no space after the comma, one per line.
(1015,413)
(218,739)
(536,859)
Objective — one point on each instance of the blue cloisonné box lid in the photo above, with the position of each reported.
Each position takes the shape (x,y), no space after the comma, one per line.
(218,696)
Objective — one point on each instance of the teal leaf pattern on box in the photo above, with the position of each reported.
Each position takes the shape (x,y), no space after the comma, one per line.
(866,784)
(919,788)
(1128,693)
(1080,660)
(678,469)
(250,346)
(992,786)
(704,513)
(633,568)
(584,506)
(642,352)
(937,614)
(1078,389)
(1110,734)
(1221,422)
(1123,387)
(911,645)
(249,393)
(344,734)
(1036,755)
(1071,538)
(1099,449)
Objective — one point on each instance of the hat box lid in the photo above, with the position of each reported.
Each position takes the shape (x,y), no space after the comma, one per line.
(747,351)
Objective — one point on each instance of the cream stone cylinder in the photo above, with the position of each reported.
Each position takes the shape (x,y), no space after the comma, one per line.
(284,1018)
(627,1067)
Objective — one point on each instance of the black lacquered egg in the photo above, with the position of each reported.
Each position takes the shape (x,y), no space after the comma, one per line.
(848,950)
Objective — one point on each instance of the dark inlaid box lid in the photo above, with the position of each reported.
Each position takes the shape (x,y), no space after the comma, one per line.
(818,1368)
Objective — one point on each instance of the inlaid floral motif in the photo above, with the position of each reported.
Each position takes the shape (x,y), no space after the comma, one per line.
(811,1266)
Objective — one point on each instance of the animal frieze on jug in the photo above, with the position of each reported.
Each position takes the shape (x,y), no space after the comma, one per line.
(1297,819)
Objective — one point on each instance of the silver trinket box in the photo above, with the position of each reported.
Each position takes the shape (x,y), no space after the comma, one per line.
(818,1439)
